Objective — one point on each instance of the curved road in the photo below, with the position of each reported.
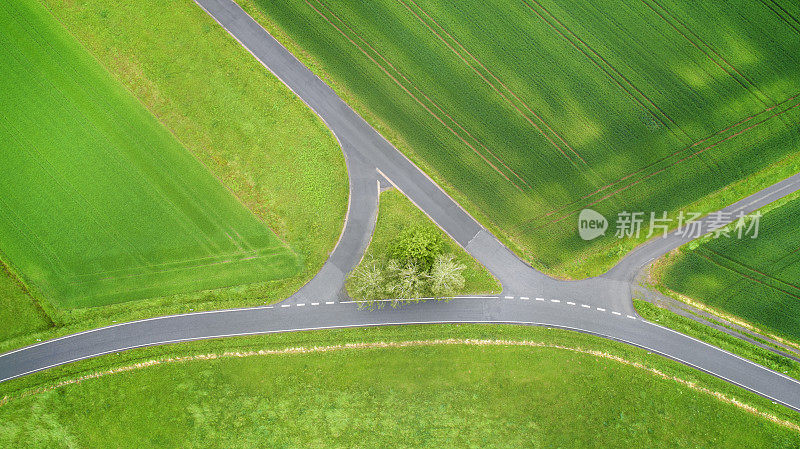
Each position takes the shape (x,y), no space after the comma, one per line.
(601,306)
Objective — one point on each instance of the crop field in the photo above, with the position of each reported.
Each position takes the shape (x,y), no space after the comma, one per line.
(99,203)
(529,111)
(757,280)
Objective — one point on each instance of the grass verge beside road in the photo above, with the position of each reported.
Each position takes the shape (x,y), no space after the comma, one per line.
(395,214)
(717,338)
(407,386)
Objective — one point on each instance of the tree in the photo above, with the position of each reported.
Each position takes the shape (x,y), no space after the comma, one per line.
(418,246)
(367,281)
(446,278)
(405,282)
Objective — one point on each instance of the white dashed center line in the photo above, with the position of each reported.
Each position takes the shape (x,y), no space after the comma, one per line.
(585,306)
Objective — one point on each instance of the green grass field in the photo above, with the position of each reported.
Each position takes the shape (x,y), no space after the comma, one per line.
(756,280)
(397,213)
(19,312)
(100,203)
(529,111)
(436,395)
(211,98)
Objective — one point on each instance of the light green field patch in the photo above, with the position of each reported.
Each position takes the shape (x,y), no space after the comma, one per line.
(743,53)
(693,77)
(99,203)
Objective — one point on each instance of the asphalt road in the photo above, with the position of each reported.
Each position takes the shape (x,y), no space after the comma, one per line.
(601,306)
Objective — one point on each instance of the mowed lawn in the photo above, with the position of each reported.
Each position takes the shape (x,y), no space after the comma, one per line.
(471,394)
(529,111)
(757,280)
(99,202)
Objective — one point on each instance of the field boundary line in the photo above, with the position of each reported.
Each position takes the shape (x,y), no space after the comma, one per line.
(751,277)
(676,153)
(606,70)
(173,210)
(242,255)
(402,86)
(529,222)
(755,88)
(682,160)
(276,252)
(220,221)
(494,87)
(47,50)
(783,19)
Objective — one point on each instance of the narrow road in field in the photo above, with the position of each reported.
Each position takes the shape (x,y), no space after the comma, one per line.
(601,306)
